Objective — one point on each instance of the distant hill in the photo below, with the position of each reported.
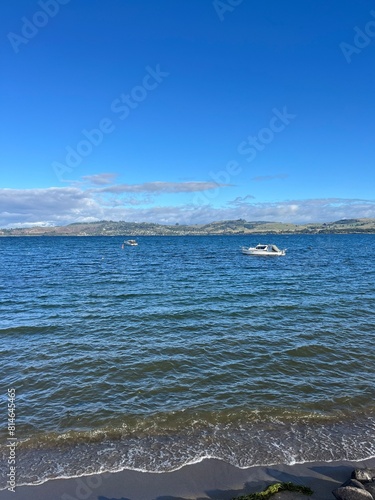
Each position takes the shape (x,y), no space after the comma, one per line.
(240,226)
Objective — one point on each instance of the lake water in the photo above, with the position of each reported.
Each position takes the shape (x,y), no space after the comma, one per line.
(156,356)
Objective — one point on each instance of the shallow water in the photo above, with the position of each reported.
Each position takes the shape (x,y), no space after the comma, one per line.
(158,355)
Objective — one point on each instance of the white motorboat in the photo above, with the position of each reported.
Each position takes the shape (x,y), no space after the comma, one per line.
(266,250)
(131,243)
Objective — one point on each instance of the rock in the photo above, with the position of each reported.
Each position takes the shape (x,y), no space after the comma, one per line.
(363,475)
(352,493)
(370,487)
(354,483)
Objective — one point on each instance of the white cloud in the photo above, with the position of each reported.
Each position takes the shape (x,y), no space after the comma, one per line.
(240,200)
(305,211)
(162,187)
(51,205)
(100,179)
(57,206)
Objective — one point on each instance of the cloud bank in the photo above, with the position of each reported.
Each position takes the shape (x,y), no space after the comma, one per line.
(59,206)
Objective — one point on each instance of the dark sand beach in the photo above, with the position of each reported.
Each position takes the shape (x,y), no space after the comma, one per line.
(210,479)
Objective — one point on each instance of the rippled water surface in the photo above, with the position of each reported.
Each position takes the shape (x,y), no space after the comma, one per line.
(154,356)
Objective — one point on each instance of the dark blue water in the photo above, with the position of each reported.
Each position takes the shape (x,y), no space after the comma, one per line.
(155,356)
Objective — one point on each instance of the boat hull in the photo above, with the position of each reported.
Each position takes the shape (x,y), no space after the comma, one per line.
(262,253)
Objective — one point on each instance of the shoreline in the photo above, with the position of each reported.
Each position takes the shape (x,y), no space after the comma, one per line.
(209,479)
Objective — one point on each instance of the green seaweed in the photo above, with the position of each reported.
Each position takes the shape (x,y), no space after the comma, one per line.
(275,488)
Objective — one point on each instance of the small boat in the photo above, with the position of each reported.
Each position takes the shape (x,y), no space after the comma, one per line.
(266,250)
(131,243)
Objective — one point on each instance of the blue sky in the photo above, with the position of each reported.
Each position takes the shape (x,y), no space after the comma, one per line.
(187,111)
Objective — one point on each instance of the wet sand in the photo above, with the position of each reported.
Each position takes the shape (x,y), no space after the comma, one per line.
(209,479)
